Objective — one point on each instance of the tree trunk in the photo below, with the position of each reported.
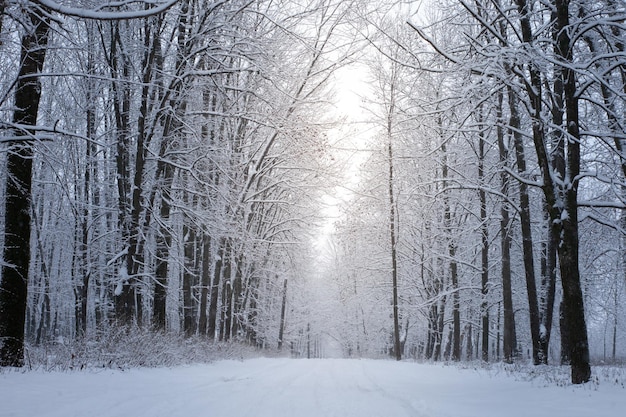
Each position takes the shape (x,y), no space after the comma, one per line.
(440,328)
(227,295)
(120,73)
(525,224)
(189,275)
(454,279)
(16,258)
(484,245)
(163,244)
(509,336)
(573,303)
(394,262)
(88,191)
(456,305)
(215,288)
(281,329)
(548,293)
(204,284)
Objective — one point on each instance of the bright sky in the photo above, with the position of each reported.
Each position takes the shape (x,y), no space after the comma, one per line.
(348,139)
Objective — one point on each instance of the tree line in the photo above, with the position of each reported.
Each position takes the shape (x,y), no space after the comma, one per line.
(161,159)
(507,128)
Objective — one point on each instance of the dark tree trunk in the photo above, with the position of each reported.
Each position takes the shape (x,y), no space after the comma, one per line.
(281,329)
(126,301)
(484,246)
(14,284)
(237,302)
(89,194)
(509,336)
(432,332)
(163,244)
(120,72)
(204,284)
(454,279)
(525,224)
(456,306)
(573,303)
(440,328)
(394,262)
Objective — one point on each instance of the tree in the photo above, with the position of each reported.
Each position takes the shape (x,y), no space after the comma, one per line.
(392,224)
(560,191)
(17,250)
(16,258)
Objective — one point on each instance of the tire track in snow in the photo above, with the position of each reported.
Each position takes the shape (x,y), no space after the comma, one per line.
(414,407)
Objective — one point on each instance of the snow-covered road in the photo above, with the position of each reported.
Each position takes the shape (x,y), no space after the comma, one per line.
(299,388)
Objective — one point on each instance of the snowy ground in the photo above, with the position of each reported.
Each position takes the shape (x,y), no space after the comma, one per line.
(300,388)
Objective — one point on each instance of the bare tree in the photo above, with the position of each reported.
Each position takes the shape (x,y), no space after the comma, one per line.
(16,258)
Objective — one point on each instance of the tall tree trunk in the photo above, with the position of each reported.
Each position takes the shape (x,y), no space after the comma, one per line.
(120,73)
(88,192)
(205,284)
(484,244)
(281,330)
(573,302)
(509,336)
(238,298)
(456,305)
(172,134)
(394,262)
(163,244)
(127,300)
(440,328)
(16,257)
(525,224)
(548,293)
(454,279)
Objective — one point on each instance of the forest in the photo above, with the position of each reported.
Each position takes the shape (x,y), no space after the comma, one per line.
(434,181)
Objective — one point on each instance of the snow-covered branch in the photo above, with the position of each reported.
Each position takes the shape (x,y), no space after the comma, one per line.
(100,13)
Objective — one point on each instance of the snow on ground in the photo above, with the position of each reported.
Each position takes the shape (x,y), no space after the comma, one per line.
(300,388)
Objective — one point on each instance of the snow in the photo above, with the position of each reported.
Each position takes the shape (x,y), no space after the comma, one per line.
(300,387)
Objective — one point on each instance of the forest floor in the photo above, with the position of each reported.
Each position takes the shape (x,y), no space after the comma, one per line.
(317,387)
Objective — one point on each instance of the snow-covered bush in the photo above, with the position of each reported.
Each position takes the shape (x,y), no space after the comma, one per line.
(125,348)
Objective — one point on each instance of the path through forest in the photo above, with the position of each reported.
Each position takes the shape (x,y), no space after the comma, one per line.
(285,387)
